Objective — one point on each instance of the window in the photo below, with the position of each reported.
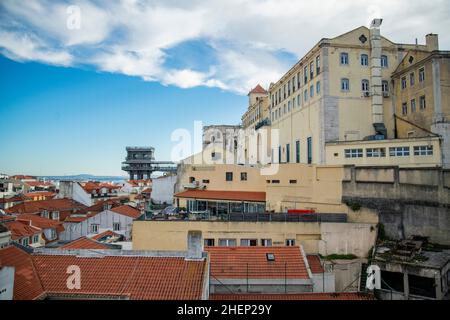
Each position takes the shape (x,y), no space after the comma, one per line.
(288,153)
(229,176)
(266,242)
(344,58)
(209,242)
(35,238)
(305,73)
(299,99)
(243,176)
(364,60)
(44,214)
(403,83)
(55,215)
(293,181)
(305,95)
(423,103)
(376,152)
(289,106)
(284,91)
(227,242)
(309,149)
(317,64)
(384,61)
(413,105)
(290,242)
(404,109)
(385,86)
(191,179)
(412,79)
(289,87)
(53,234)
(293,103)
(399,152)
(421,74)
(205,181)
(293,84)
(365,85)
(94,228)
(345,84)
(276,181)
(279,95)
(249,242)
(25,241)
(311,91)
(318,87)
(423,151)
(353,153)
(298,80)
(297,151)
(116,226)
(311,70)
(279,154)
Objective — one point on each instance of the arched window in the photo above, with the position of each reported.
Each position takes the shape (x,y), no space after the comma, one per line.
(364,60)
(365,85)
(345,84)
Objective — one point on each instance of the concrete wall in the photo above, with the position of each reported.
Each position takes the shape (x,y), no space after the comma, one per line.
(314,237)
(408,201)
(104,219)
(6,283)
(73,190)
(163,189)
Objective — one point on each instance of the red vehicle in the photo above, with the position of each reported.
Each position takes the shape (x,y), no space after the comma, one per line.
(301,211)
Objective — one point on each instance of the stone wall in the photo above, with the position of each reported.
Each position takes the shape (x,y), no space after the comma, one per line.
(409,201)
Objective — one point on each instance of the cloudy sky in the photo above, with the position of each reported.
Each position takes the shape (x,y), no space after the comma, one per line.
(216,48)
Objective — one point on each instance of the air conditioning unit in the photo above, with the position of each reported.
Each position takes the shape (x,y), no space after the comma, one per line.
(386,94)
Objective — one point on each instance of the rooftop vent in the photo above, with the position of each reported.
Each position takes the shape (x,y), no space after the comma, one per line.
(270,257)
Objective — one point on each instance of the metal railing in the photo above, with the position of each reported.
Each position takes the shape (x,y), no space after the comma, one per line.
(265,217)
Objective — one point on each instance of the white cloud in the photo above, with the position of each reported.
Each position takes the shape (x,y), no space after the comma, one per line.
(131,36)
(24,47)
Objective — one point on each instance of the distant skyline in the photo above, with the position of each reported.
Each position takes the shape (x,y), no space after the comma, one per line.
(72,99)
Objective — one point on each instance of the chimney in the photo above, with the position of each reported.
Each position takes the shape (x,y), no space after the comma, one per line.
(194,245)
(376,79)
(432,41)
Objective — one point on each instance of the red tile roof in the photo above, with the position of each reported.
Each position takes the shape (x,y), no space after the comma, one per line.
(39,184)
(84,243)
(12,199)
(21,229)
(223,195)
(41,222)
(258,89)
(148,190)
(23,177)
(26,281)
(139,277)
(64,206)
(46,194)
(232,262)
(314,263)
(6,217)
(127,211)
(79,218)
(295,296)
(107,233)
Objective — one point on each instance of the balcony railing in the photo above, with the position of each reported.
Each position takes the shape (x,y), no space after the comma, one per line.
(262,123)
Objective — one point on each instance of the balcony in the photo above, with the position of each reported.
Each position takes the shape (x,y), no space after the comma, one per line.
(262,123)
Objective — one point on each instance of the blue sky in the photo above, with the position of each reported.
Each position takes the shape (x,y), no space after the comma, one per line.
(81,79)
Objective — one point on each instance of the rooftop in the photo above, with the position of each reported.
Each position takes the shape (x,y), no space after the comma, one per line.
(314,263)
(85,243)
(127,211)
(21,229)
(109,274)
(257,262)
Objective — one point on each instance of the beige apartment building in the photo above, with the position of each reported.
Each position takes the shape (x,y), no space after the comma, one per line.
(341,96)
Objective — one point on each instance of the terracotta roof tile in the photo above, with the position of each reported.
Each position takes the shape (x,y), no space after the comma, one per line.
(84,243)
(223,195)
(107,233)
(127,211)
(39,184)
(42,223)
(21,229)
(46,194)
(235,262)
(296,296)
(314,263)
(148,278)
(26,281)
(258,89)
(64,206)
